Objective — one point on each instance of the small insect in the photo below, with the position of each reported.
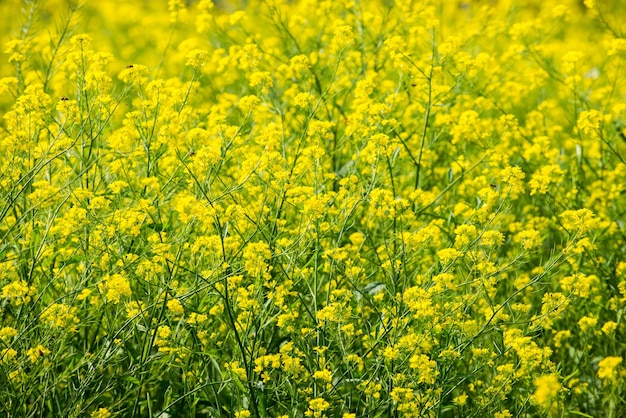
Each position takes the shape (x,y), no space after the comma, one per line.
(130,66)
(64,99)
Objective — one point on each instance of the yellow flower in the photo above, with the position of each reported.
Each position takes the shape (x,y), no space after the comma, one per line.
(236,369)
(84,294)
(7,333)
(59,315)
(255,255)
(544,177)
(342,36)
(609,327)
(248,104)
(196,318)
(323,375)
(303,100)
(560,337)
(547,387)
(114,287)
(175,306)
(582,220)
(101,413)
(529,238)
(7,354)
(135,74)
(261,79)
(460,400)
(80,41)
(16,49)
(587,323)
(36,353)
(589,121)
(492,238)
(197,58)
(18,291)
(607,368)
(117,186)
(134,309)
(464,235)
(426,367)
(448,254)
(164,332)
(580,284)
(316,407)
(617,46)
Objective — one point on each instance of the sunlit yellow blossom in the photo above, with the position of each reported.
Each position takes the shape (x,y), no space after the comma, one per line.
(236,369)
(115,287)
(607,368)
(63,316)
(261,80)
(609,327)
(529,238)
(117,186)
(580,284)
(101,413)
(316,407)
(312,208)
(37,353)
(255,255)
(587,323)
(7,333)
(544,177)
(134,309)
(492,238)
(249,103)
(84,294)
(582,220)
(343,36)
(617,46)
(426,367)
(196,318)
(7,355)
(589,121)
(448,254)
(547,387)
(18,292)
(513,177)
(461,399)
(16,49)
(197,58)
(175,306)
(464,235)
(134,74)
(560,337)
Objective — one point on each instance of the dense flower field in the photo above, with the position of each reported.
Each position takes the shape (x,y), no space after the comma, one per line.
(312,208)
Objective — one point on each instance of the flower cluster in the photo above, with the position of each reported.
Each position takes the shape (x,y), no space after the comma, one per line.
(312,208)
